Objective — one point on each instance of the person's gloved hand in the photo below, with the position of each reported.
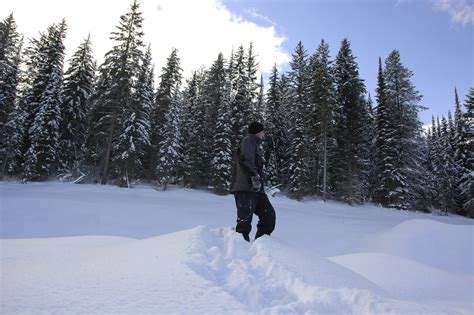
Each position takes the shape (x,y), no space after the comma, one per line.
(256,184)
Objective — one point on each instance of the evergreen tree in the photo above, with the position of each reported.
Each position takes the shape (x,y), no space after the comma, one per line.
(272,125)
(368,149)
(465,157)
(221,163)
(195,134)
(78,88)
(241,108)
(135,129)
(447,171)
(321,114)
(45,98)
(114,91)
(170,80)
(350,162)
(282,147)
(170,145)
(252,87)
(298,150)
(260,104)
(402,99)
(276,124)
(10,46)
(460,154)
(10,52)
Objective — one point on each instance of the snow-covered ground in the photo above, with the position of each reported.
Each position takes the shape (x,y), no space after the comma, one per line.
(87,249)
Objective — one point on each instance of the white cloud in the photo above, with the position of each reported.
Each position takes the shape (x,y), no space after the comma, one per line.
(198,29)
(254,12)
(461,11)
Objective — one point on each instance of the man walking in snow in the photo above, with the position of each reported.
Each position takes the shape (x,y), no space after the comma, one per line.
(247,185)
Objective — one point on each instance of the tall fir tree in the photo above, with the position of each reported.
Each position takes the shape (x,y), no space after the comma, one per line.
(170,81)
(10,46)
(10,135)
(114,92)
(221,161)
(370,126)
(170,144)
(298,150)
(277,125)
(321,109)
(366,149)
(349,163)
(252,86)
(45,96)
(402,184)
(272,124)
(241,108)
(260,103)
(79,82)
(465,157)
(135,129)
(195,135)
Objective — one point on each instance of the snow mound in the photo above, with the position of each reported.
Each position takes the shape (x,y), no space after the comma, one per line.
(270,276)
(440,245)
(213,270)
(412,281)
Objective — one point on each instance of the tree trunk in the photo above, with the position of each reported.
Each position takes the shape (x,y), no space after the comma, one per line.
(105,171)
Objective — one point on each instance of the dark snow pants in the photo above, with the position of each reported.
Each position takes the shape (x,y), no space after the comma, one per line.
(249,203)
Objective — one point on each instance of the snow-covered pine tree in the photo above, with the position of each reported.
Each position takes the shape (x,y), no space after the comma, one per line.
(10,43)
(425,192)
(195,133)
(277,126)
(221,163)
(446,167)
(384,144)
(367,158)
(432,166)
(46,93)
(403,100)
(298,184)
(134,134)
(282,149)
(114,90)
(170,80)
(465,157)
(170,145)
(370,179)
(260,103)
(79,82)
(272,125)
(349,162)
(241,109)
(252,86)
(439,172)
(10,52)
(321,114)
(217,129)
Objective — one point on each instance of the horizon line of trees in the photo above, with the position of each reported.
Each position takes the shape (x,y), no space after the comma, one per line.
(325,137)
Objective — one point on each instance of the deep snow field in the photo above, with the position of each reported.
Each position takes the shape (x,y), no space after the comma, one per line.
(91,249)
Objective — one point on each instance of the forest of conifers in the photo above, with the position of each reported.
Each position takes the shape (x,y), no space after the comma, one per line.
(325,135)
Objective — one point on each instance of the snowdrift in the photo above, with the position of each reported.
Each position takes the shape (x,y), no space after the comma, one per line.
(193,271)
(324,258)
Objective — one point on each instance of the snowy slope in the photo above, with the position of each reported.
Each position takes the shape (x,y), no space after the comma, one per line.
(93,249)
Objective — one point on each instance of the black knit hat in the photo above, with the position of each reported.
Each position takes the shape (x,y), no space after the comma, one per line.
(255,127)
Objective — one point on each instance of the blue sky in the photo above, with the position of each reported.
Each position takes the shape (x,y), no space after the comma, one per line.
(438,49)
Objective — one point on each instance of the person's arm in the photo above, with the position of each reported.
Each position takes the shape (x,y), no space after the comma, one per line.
(247,156)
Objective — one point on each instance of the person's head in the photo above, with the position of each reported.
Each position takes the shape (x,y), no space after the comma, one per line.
(256,128)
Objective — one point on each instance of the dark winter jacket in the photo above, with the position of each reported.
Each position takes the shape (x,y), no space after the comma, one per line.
(248,162)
